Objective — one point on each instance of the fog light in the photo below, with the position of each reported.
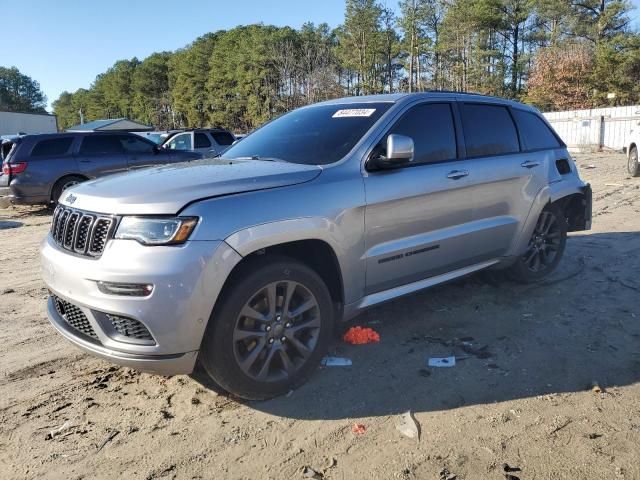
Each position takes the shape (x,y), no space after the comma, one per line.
(127,289)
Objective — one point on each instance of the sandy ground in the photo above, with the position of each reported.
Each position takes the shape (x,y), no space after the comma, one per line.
(522,398)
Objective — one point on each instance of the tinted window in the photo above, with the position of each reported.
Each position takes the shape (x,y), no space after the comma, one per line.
(180,142)
(534,132)
(101,144)
(488,130)
(431,128)
(52,147)
(223,138)
(202,141)
(132,144)
(316,135)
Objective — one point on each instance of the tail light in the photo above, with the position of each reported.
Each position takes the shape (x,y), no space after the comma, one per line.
(13,168)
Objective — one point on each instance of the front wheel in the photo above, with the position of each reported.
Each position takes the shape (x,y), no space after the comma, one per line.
(633,166)
(270,331)
(545,247)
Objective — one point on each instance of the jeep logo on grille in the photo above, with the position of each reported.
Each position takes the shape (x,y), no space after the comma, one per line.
(70,198)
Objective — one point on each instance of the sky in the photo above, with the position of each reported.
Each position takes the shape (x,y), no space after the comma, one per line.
(64,44)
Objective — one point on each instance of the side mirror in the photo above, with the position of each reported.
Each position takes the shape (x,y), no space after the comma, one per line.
(400,151)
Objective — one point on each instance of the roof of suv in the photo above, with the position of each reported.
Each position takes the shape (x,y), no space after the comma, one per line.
(397,97)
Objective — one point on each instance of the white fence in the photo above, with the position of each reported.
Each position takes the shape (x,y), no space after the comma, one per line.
(596,129)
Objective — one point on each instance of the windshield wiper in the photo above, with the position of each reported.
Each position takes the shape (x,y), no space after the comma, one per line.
(264,159)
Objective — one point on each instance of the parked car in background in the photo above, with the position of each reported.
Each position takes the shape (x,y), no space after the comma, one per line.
(247,262)
(633,164)
(211,142)
(38,168)
(157,137)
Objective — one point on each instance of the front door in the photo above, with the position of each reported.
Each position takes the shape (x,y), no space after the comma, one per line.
(140,152)
(417,216)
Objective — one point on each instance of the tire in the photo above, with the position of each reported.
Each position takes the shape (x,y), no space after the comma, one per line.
(64,183)
(633,165)
(258,352)
(545,248)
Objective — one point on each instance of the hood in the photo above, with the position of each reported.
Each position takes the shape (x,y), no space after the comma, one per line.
(167,189)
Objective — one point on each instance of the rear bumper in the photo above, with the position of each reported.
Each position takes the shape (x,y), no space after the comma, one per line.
(7,194)
(182,363)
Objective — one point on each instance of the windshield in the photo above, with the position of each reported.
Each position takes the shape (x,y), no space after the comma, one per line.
(316,135)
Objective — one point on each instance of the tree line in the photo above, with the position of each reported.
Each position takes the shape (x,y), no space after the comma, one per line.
(20,93)
(555,54)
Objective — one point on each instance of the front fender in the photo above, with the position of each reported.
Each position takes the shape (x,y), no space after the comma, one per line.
(270,234)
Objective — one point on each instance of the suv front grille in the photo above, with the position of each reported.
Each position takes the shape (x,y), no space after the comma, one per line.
(74,317)
(81,232)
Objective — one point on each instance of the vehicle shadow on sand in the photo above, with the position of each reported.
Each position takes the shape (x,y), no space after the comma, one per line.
(511,341)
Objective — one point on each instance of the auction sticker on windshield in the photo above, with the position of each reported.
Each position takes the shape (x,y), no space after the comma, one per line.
(354,112)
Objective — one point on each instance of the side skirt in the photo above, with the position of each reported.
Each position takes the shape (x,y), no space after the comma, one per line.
(356,308)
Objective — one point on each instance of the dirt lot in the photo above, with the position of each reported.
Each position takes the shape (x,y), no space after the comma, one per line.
(522,397)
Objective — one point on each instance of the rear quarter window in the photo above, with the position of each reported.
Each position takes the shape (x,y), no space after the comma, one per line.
(488,130)
(535,134)
(52,147)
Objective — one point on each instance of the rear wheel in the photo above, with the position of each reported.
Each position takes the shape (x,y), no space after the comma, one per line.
(63,184)
(270,331)
(545,247)
(633,166)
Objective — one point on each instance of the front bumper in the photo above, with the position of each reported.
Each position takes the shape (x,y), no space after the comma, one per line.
(187,280)
(163,364)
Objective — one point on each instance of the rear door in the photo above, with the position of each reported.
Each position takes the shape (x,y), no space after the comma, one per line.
(503,183)
(203,144)
(101,154)
(222,140)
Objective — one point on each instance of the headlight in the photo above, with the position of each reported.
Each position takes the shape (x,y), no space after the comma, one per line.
(156,230)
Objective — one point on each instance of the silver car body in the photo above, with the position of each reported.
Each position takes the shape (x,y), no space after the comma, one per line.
(375,223)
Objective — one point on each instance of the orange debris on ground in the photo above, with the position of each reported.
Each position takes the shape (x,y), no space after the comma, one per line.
(358,429)
(360,336)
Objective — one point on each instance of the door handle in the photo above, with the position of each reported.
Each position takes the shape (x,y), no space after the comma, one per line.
(529,164)
(457,174)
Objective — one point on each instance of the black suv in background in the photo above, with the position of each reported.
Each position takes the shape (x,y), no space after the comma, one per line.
(38,168)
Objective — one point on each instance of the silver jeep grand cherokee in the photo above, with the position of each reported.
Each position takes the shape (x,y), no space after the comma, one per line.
(246,262)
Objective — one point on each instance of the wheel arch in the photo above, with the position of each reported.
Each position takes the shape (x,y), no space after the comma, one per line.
(307,240)
(55,183)
(315,253)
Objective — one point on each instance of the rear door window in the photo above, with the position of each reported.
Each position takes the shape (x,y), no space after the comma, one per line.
(201,140)
(430,125)
(101,145)
(535,134)
(223,138)
(488,130)
(52,147)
